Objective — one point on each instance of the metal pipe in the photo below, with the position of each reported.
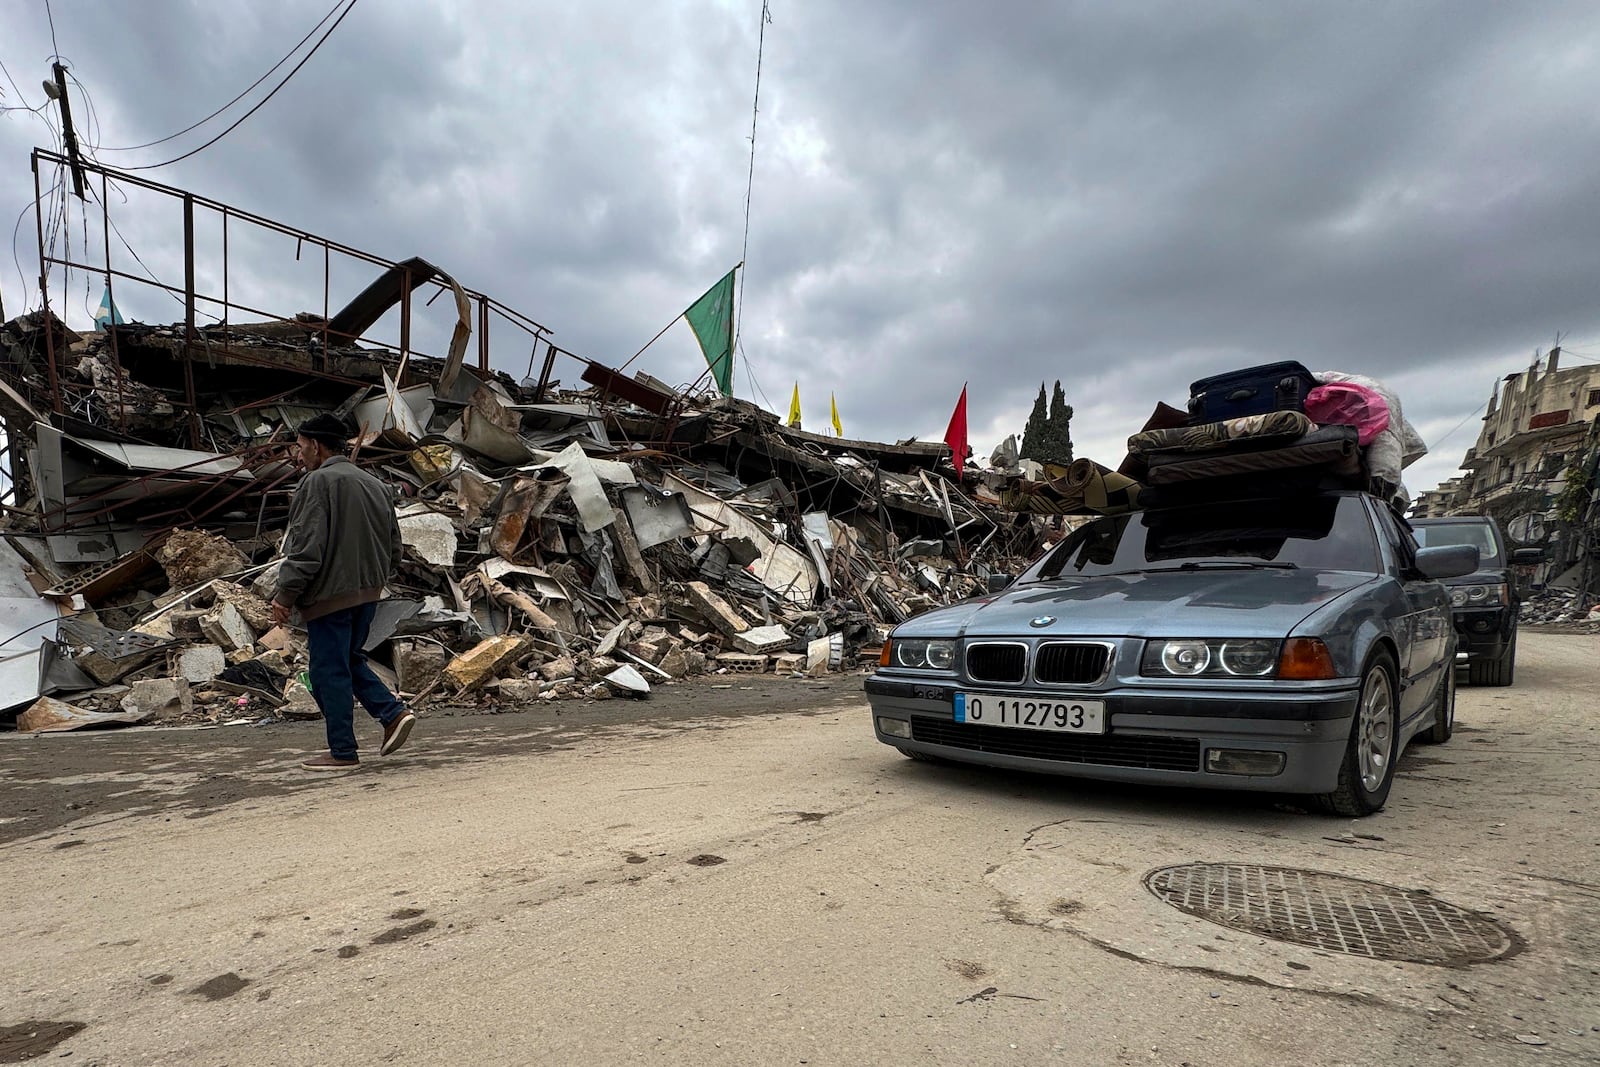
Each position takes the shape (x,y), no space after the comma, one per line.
(44,293)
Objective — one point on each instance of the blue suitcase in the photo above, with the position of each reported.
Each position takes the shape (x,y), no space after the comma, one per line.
(1252,391)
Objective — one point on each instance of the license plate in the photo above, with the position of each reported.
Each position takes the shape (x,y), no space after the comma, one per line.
(1032,713)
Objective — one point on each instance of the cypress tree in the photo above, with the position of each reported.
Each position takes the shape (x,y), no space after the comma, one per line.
(1034,435)
(1058,432)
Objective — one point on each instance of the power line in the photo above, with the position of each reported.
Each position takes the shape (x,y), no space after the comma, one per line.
(1457,426)
(153,166)
(750,181)
(235,100)
(51,16)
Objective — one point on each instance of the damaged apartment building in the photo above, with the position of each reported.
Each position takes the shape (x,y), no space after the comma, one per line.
(586,538)
(1533,468)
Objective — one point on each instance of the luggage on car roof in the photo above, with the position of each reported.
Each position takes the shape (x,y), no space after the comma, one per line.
(1251,391)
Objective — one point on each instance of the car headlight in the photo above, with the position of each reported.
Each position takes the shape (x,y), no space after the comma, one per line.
(1228,657)
(921,654)
(1477,596)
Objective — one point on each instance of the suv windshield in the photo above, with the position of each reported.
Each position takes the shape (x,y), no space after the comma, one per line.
(1479,535)
(1323,533)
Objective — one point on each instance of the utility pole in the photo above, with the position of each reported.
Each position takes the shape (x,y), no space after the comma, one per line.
(66,129)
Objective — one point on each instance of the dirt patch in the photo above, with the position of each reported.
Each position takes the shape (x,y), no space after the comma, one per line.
(407,913)
(105,775)
(812,816)
(348,952)
(32,1039)
(221,987)
(968,969)
(1066,907)
(68,844)
(705,859)
(404,933)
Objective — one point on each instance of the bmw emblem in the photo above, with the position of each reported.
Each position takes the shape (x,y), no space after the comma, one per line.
(1042,620)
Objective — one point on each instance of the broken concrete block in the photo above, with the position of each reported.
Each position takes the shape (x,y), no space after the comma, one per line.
(675,662)
(225,626)
(185,622)
(761,639)
(697,661)
(628,682)
(159,627)
(274,661)
(199,664)
(257,613)
(791,663)
(265,585)
(159,698)
(741,663)
(715,610)
(193,556)
(298,703)
(518,691)
(417,663)
(558,668)
(431,536)
(471,669)
(599,691)
(279,639)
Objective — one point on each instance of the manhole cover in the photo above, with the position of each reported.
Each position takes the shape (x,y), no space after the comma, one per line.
(1330,911)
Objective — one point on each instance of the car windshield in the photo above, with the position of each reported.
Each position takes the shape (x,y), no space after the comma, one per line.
(1479,535)
(1320,532)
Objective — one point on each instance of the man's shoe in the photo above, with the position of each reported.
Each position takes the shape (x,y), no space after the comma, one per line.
(328,762)
(395,734)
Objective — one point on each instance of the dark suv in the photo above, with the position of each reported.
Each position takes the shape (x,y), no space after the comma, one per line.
(1484,604)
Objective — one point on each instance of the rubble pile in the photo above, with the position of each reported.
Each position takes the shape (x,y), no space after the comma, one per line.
(582,543)
(1557,606)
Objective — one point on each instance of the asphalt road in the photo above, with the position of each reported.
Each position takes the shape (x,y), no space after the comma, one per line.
(744,876)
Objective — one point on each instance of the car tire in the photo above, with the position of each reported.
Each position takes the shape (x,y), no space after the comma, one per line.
(1373,749)
(1499,671)
(1444,711)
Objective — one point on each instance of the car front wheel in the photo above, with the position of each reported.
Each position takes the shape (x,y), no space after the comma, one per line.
(1374,745)
(1444,712)
(1498,671)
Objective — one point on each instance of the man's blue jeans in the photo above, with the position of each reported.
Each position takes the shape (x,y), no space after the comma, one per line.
(340,676)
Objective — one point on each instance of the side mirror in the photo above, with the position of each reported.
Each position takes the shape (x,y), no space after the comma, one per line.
(1527,557)
(999,583)
(1447,561)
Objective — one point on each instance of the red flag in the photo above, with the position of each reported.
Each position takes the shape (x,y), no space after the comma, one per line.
(956,435)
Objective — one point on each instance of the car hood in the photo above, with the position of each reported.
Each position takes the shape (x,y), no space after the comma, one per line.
(1205,603)
(1494,576)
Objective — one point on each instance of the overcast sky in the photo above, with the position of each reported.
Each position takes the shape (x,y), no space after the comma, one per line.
(1125,196)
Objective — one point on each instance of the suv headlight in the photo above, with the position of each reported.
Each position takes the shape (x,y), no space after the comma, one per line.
(1199,657)
(923,654)
(1477,596)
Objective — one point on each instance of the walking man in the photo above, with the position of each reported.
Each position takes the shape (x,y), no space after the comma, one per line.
(343,545)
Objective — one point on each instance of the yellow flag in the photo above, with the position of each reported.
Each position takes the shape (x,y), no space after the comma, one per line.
(794,408)
(838,431)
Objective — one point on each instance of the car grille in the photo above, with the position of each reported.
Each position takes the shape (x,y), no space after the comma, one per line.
(997,662)
(1060,664)
(1105,750)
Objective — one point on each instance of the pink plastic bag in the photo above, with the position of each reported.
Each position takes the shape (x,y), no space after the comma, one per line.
(1343,404)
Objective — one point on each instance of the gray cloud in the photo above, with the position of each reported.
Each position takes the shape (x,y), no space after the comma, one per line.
(1125,197)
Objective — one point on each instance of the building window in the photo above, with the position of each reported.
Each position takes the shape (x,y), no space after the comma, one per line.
(1594,398)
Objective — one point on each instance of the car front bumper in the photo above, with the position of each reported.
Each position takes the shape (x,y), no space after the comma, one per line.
(1483,632)
(1160,738)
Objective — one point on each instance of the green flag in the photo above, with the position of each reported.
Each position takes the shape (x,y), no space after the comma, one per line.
(711,318)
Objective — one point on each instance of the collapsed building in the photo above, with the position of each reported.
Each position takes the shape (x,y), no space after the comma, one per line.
(583,539)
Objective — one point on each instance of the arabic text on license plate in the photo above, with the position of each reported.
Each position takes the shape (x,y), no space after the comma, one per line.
(1066,716)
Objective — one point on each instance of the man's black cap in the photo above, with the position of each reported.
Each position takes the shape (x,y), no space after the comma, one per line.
(326,429)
